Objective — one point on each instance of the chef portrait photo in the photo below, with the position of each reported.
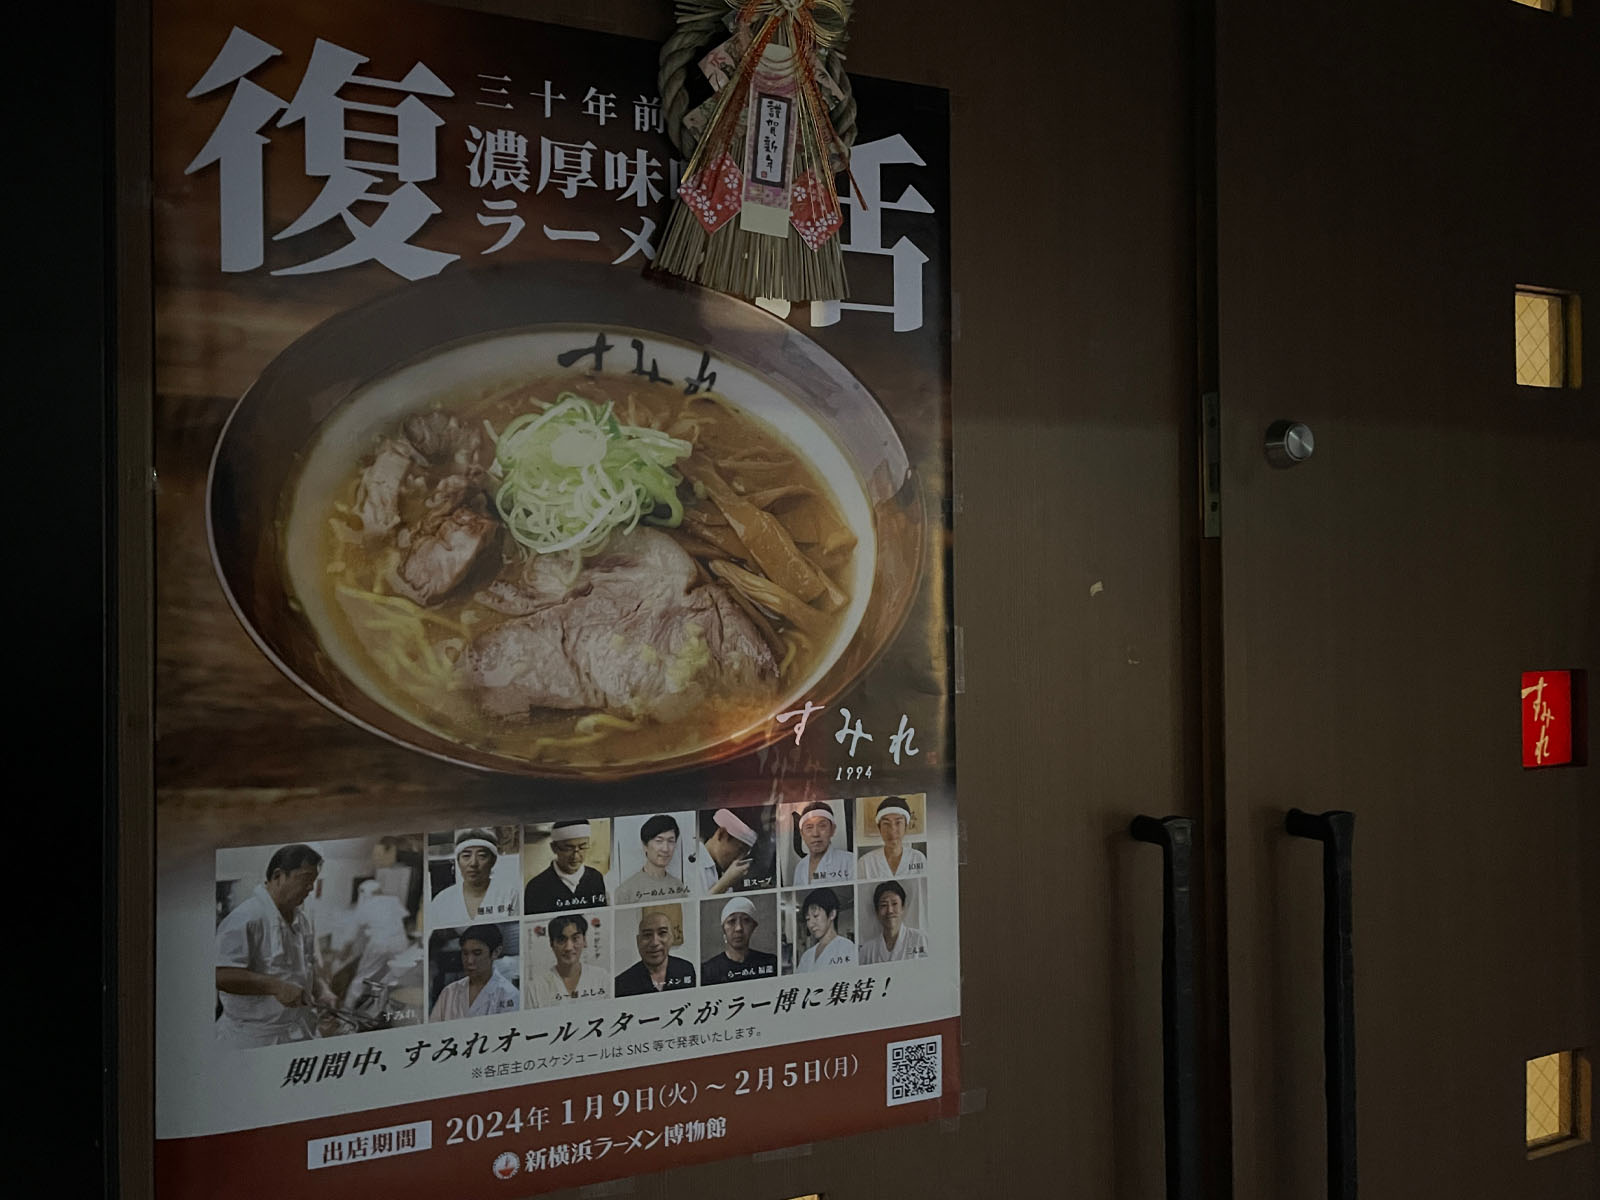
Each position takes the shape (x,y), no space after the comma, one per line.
(650,855)
(891,922)
(565,864)
(474,971)
(567,958)
(816,842)
(819,926)
(476,875)
(657,931)
(398,866)
(270,977)
(311,943)
(737,851)
(894,821)
(372,902)
(738,939)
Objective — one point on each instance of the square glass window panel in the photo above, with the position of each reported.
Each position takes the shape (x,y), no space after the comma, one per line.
(1541,339)
(1549,1099)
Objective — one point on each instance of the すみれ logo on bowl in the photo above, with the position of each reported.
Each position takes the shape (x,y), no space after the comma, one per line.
(507,1165)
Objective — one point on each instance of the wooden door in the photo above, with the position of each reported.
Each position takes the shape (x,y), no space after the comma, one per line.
(1389,174)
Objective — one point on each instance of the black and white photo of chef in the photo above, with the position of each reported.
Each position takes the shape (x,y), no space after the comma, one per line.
(817,847)
(819,927)
(474,972)
(568,958)
(738,939)
(311,944)
(737,850)
(565,864)
(892,923)
(659,939)
(650,857)
(889,851)
(476,875)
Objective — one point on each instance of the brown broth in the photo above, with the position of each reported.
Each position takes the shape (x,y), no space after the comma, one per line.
(750,456)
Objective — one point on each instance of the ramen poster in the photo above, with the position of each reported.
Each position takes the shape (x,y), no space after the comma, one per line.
(554,761)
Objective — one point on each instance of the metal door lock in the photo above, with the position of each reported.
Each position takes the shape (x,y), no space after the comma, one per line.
(1289,443)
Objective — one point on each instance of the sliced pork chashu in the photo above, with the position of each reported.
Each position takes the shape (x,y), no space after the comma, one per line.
(638,634)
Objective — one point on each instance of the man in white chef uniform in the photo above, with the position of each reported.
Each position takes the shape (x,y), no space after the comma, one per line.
(725,857)
(894,858)
(823,862)
(379,922)
(896,941)
(829,947)
(476,894)
(571,978)
(482,991)
(268,973)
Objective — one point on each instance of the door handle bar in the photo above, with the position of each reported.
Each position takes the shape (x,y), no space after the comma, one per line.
(1335,830)
(1175,836)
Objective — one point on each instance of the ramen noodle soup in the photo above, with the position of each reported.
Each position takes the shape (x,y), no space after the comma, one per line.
(578,569)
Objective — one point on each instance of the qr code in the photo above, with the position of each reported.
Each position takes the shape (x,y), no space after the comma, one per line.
(915,1070)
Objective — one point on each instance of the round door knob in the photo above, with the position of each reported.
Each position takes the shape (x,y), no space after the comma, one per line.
(1289,443)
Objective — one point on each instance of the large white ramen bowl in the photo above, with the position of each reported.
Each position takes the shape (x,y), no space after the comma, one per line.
(293,439)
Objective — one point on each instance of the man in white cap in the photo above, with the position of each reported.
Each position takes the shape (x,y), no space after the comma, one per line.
(566,882)
(823,862)
(739,960)
(727,854)
(571,978)
(896,941)
(895,857)
(476,895)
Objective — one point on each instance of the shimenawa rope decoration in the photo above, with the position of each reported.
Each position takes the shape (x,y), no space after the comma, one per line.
(759,210)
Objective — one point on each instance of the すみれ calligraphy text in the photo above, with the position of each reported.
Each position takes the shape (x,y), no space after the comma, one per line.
(855,734)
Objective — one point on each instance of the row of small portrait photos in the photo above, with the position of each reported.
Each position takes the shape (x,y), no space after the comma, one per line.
(356,934)
(493,873)
(636,950)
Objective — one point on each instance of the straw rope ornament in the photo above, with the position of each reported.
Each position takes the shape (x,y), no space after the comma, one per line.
(758,212)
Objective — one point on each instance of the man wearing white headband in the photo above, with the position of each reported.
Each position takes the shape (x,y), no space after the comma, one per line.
(823,861)
(567,882)
(726,856)
(739,960)
(895,858)
(476,895)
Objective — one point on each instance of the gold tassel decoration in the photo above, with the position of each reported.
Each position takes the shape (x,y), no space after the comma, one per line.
(758,211)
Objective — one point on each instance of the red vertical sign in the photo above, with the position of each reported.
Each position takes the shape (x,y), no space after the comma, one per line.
(1546,718)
